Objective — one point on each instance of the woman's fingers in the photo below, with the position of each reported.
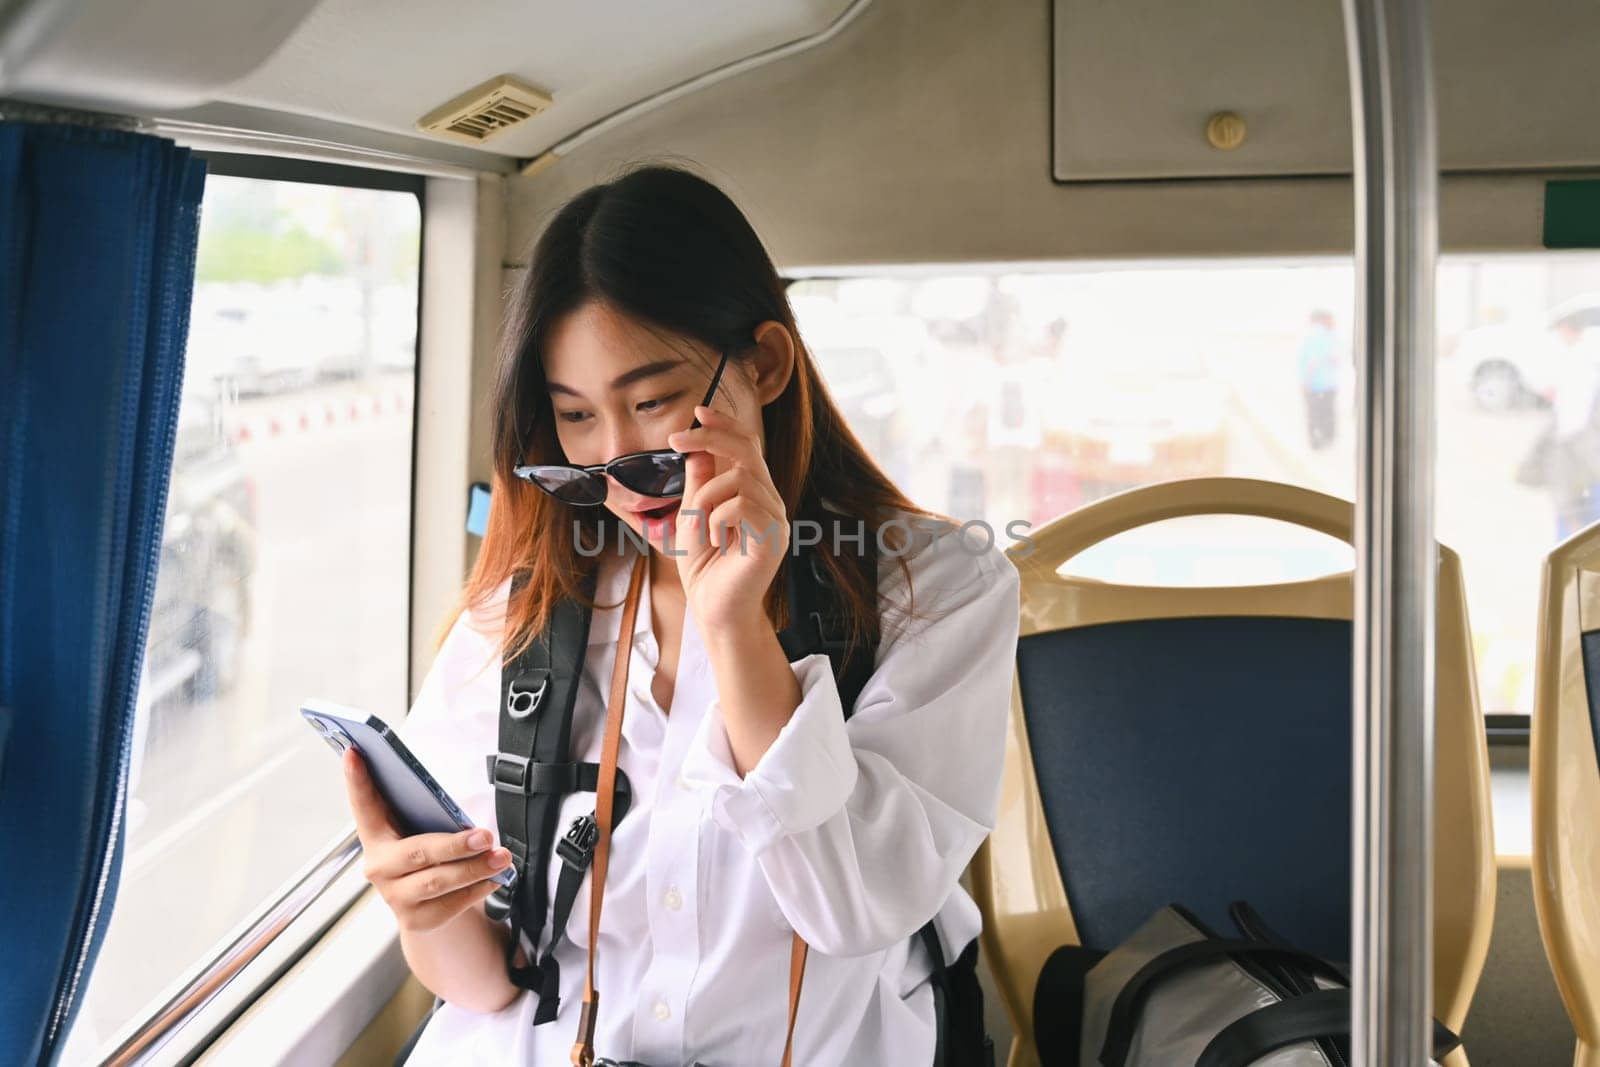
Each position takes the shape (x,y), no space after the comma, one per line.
(731,445)
(440,910)
(744,471)
(699,468)
(739,520)
(738,481)
(721,435)
(373,823)
(440,879)
(426,879)
(408,854)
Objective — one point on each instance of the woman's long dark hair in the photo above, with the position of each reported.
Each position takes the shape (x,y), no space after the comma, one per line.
(671,251)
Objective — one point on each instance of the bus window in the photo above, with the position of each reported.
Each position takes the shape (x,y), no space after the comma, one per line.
(1091,380)
(284,570)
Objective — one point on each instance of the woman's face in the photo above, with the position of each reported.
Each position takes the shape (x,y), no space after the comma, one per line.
(617,387)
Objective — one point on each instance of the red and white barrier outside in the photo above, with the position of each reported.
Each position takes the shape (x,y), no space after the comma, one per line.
(314,413)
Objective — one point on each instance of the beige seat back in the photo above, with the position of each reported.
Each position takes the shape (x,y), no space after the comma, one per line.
(1565,771)
(1018,875)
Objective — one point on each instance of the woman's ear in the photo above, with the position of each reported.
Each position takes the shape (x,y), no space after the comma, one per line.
(773,360)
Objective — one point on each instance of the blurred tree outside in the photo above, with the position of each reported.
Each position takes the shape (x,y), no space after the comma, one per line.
(240,254)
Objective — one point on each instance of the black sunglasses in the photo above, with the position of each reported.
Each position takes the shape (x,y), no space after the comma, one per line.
(660,472)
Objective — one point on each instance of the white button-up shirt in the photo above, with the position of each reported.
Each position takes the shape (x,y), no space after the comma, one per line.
(851,833)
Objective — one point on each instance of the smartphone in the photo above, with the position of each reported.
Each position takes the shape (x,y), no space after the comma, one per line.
(417,801)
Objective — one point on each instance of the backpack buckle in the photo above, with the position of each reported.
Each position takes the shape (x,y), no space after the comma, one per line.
(576,849)
(526,693)
(508,772)
(511,773)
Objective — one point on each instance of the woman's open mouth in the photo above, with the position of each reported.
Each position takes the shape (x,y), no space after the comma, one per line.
(658,516)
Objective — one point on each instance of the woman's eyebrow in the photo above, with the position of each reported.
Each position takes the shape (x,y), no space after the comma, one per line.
(639,373)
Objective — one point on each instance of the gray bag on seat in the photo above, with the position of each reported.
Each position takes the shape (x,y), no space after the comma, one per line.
(1175,994)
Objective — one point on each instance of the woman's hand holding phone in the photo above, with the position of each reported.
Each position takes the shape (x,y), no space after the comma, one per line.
(426,879)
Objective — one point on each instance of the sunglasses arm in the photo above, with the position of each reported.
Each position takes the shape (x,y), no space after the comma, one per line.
(711,391)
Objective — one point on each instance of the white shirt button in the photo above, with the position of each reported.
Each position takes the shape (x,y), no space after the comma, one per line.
(662,1011)
(672,898)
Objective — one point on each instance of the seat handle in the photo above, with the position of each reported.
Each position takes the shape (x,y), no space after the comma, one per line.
(1061,539)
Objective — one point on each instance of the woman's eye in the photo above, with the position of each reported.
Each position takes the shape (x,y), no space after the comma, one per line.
(572,416)
(657,404)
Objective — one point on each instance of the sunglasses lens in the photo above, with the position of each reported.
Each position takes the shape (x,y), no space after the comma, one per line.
(571,486)
(652,474)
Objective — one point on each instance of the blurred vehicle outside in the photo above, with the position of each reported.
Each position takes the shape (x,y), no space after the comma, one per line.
(201,612)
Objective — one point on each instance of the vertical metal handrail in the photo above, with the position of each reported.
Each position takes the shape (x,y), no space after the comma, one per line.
(1396,193)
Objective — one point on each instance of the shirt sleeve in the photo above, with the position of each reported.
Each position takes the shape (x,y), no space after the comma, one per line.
(862,828)
(453,723)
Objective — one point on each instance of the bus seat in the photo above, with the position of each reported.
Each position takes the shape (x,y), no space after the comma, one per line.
(393,1032)
(418,1024)
(1198,747)
(1564,772)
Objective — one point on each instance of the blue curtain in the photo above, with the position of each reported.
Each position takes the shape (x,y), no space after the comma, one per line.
(97,245)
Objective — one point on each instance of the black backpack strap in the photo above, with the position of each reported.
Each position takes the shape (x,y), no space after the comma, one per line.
(1130,999)
(1293,979)
(819,619)
(1323,1014)
(1288,1022)
(929,936)
(1058,1004)
(576,850)
(532,774)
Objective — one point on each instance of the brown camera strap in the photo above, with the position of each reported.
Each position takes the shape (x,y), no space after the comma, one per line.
(797,972)
(583,1047)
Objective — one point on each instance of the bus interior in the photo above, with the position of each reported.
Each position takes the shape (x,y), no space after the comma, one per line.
(1079,269)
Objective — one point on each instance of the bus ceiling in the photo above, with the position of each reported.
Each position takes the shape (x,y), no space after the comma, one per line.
(1143,129)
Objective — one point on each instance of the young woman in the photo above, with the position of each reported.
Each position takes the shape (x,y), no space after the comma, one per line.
(758,811)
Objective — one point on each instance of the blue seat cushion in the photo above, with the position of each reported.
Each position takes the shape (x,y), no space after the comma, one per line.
(1197,761)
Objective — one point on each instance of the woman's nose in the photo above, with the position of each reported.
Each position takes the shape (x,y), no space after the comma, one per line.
(624,440)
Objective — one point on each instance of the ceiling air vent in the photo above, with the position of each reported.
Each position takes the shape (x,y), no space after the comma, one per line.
(481,113)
